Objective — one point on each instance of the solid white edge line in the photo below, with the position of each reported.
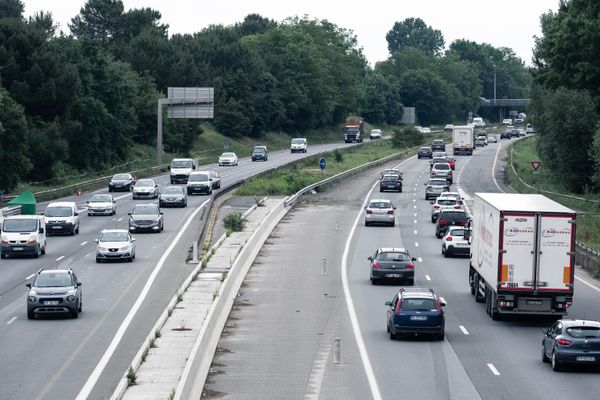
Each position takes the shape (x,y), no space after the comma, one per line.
(493,369)
(463,329)
(10,321)
(596,288)
(494,168)
(95,375)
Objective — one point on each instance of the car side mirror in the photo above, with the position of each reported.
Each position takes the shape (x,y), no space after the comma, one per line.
(114,201)
(395,207)
(78,284)
(155,185)
(388,303)
(28,285)
(128,213)
(96,240)
(442,303)
(161,213)
(41,230)
(414,259)
(76,214)
(87,202)
(193,167)
(370,258)
(169,167)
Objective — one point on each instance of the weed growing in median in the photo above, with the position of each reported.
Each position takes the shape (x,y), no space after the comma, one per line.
(131,376)
(234,222)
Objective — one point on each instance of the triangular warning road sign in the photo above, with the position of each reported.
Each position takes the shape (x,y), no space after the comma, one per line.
(536,165)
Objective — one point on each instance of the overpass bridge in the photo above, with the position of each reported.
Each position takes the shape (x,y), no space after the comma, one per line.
(504,105)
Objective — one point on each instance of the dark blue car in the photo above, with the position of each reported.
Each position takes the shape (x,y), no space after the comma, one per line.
(415,311)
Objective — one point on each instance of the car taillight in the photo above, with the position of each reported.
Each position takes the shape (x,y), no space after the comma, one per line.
(564,342)
(376,264)
(390,213)
(449,239)
(457,206)
(438,304)
(436,206)
(398,307)
(369,212)
(443,222)
(432,173)
(410,266)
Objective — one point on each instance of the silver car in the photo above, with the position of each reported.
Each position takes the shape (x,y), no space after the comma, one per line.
(435,187)
(115,244)
(443,203)
(454,242)
(171,196)
(442,170)
(102,204)
(228,159)
(145,189)
(492,139)
(380,211)
(54,291)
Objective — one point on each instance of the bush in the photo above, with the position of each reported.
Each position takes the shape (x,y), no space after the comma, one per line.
(339,157)
(407,136)
(234,222)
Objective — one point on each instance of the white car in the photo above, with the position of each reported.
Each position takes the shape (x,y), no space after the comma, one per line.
(484,139)
(102,204)
(228,159)
(145,189)
(492,139)
(507,121)
(375,134)
(380,211)
(299,145)
(449,127)
(62,217)
(425,130)
(454,242)
(115,244)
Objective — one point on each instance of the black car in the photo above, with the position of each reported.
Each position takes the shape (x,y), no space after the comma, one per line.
(54,291)
(146,218)
(416,311)
(448,218)
(390,182)
(572,342)
(260,153)
(391,263)
(438,144)
(424,151)
(506,135)
(437,160)
(122,182)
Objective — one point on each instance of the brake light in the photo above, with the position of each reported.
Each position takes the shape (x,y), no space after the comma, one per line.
(376,264)
(564,342)
(457,206)
(398,306)
(449,239)
(410,265)
(369,212)
(438,304)
(390,213)
(436,206)
(443,222)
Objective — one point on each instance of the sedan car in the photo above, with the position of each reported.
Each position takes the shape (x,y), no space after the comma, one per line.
(492,139)
(390,171)
(425,130)
(390,182)
(438,144)
(145,189)
(443,203)
(115,244)
(454,242)
(54,291)
(146,218)
(425,152)
(442,170)
(447,218)
(435,187)
(375,134)
(171,196)
(380,211)
(484,139)
(121,182)
(414,311)
(391,263)
(102,204)
(479,142)
(572,342)
(230,159)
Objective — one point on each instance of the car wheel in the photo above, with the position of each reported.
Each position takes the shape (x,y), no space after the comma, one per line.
(411,282)
(37,253)
(74,314)
(432,220)
(556,366)
(98,260)
(366,224)
(545,358)
(2,256)
(393,336)
(393,224)
(109,189)
(130,259)
(77,230)
(440,336)
(80,308)
(189,192)
(478,297)
(30,314)
(374,281)
(380,190)
(445,253)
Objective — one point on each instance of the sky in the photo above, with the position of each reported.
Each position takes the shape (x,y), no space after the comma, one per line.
(501,23)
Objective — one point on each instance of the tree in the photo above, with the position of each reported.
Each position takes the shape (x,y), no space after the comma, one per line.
(382,99)
(11,9)
(413,32)
(100,20)
(13,142)
(429,93)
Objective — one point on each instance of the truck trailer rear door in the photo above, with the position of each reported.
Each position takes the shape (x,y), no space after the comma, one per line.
(517,264)
(555,253)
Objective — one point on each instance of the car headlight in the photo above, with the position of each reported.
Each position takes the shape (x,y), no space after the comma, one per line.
(125,248)
(32,239)
(156,221)
(31,299)
(100,248)
(70,298)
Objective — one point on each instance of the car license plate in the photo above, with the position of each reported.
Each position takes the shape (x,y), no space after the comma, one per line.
(17,248)
(56,227)
(418,318)
(51,303)
(461,244)
(585,358)
(534,302)
(393,275)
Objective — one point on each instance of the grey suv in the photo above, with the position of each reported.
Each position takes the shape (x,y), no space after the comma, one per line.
(54,291)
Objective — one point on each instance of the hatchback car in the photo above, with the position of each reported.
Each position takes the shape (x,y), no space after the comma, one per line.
(146,218)
(424,152)
(200,182)
(115,244)
(479,142)
(171,196)
(572,342)
(442,170)
(54,291)
(435,187)
(506,134)
(492,139)
(102,204)
(375,134)
(390,263)
(438,144)
(380,211)
(260,153)
(484,139)
(145,189)
(454,242)
(447,218)
(122,182)
(443,203)
(390,182)
(390,171)
(229,158)
(425,130)
(415,311)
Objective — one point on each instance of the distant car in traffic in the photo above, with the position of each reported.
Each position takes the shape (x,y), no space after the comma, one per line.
(145,189)
(507,121)
(260,153)
(390,182)
(390,171)
(440,154)
(171,196)
(492,139)
(375,134)
(479,142)
(425,130)
(228,159)
(448,218)
(62,217)
(415,311)
(102,204)
(390,263)
(200,182)
(438,144)
(120,182)
(449,127)
(455,243)
(572,342)
(435,187)
(380,211)
(298,145)
(443,203)
(115,244)
(442,170)
(146,218)
(54,291)
(424,152)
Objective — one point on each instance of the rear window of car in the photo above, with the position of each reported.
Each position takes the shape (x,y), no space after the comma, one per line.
(438,141)
(457,232)
(438,182)
(424,149)
(380,204)
(453,215)
(441,166)
(393,256)
(390,178)
(584,332)
(446,202)
(415,304)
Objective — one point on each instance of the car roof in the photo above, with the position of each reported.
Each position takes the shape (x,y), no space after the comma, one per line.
(54,271)
(383,200)
(393,249)
(580,322)
(416,292)
(62,204)
(114,231)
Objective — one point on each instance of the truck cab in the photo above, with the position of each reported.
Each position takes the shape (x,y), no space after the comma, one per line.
(23,235)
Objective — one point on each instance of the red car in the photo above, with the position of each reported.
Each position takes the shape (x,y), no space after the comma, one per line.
(452,162)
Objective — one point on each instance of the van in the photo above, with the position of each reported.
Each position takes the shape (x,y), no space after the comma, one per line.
(62,217)
(23,235)
(478,122)
(181,168)
(299,145)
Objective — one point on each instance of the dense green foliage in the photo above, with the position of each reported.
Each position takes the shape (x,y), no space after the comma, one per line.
(566,99)
(81,101)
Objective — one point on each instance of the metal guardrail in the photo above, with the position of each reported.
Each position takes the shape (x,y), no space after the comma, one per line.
(587,257)
(8,211)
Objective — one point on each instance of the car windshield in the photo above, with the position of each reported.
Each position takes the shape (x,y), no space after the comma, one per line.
(58,212)
(114,237)
(297,141)
(145,183)
(172,190)
(121,177)
(181,164)
(53,280)
(438,182)
(393,256)
(101,198)
(417,304)
(198,178)
(454,215)
(441,166)
(446,202)
(19,225)
(584,332)
(391,172)
(228,155)
(390,178)
(259,150)
(145,210)
(380,204)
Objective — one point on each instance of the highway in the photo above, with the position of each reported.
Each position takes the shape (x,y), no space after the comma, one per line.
(280,340)
(61,358)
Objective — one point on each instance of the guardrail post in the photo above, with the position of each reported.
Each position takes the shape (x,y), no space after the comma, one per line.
(324,267)
(195,252)
(336,351)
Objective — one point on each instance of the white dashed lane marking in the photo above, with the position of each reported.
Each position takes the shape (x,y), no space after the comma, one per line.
(415,221)
(419,259)
(10,321)
(83,243)
(416,232)
(416,244)
(463,329)
(60,258)
(427,277)
(493,369)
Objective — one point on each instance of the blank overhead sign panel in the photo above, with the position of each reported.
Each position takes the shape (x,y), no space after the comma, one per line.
(191,102)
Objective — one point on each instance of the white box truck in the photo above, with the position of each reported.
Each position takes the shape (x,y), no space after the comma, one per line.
(522,254)
(463,140)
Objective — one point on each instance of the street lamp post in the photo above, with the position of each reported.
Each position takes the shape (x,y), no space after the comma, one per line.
(494,82)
